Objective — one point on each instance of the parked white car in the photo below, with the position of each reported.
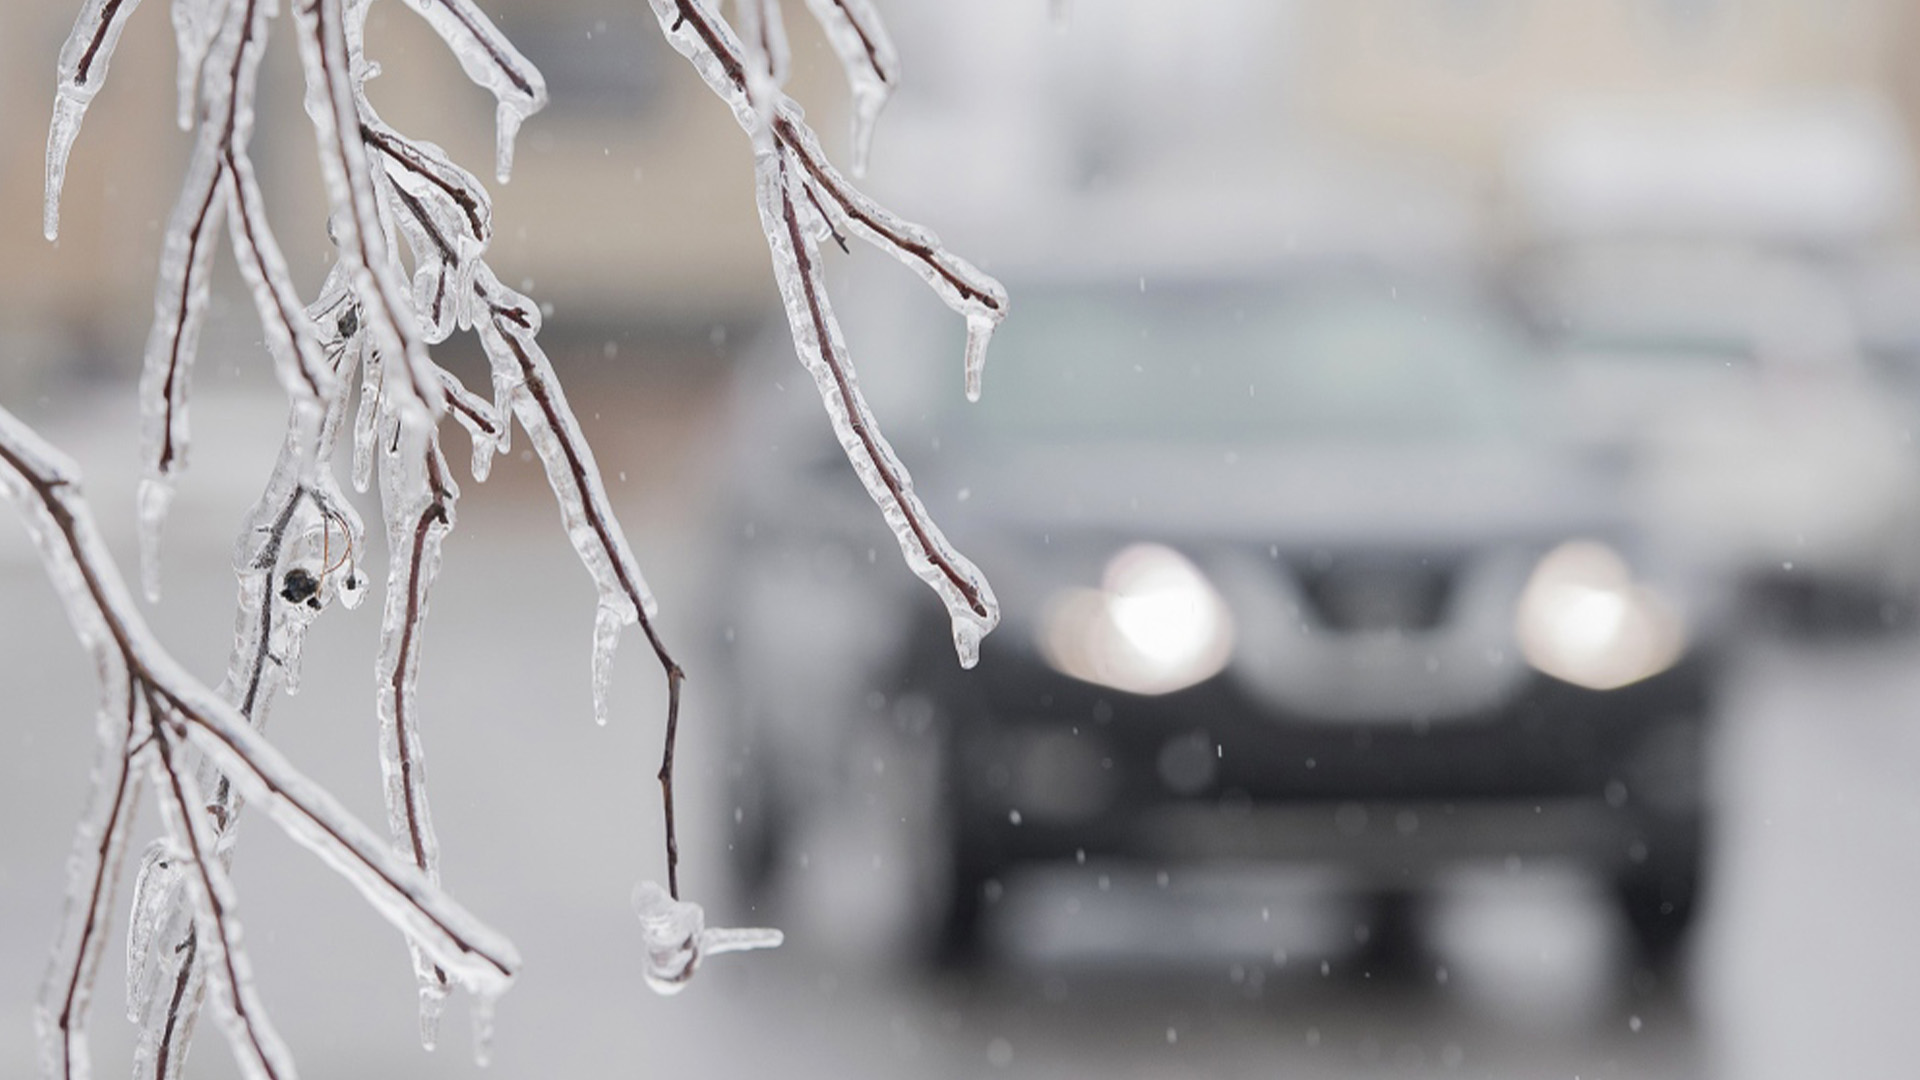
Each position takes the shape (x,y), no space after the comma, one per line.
(1763,444)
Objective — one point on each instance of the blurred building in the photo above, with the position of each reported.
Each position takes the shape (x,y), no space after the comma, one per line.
(631,203)
(1822,87)
(632,198)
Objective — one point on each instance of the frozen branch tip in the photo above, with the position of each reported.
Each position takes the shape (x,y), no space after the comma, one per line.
(678,938)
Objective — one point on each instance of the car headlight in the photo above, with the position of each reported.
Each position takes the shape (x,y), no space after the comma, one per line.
(1584,619)
(1155,625)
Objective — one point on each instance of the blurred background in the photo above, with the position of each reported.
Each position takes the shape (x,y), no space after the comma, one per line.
(1448,475)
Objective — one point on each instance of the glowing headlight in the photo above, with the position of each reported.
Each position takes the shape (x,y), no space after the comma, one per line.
(1155,625)
(1583,619)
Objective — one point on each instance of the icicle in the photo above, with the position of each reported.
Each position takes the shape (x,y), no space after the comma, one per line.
(481,465)
(966,640)
(154,497)
(677,938)
(292,641)
(82,69)
(433,1004)
(67,114)
(607,621)
(979,332)
(481,1009)
(366,424)
(506,127)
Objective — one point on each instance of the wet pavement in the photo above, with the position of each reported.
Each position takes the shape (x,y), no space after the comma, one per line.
(1807,962)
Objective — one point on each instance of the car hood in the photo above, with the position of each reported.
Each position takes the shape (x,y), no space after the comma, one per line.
(1310,494)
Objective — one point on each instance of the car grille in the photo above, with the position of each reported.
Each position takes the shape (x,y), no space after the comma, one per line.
(1376,593)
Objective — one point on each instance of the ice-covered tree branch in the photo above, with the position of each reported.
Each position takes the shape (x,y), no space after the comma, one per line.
(301,547)
(803,199)
(411,230)
(151,710)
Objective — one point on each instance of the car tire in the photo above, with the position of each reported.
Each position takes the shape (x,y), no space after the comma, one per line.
(759,835)
(968,863)
(959,936)
(1660,897)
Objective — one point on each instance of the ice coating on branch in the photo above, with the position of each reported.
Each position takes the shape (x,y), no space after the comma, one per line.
(335,69)
(195,22)
(41,481)
(291,337)
(979,331)
(866,51)
(817,337)
(491,61)
(715,52)
(445,215)
(160,919)
(92,873)
(677,939)
(481,1010)
(486,430)
(417,497)
(801,198)
(763,41)
(179,307)
(82,70)
(607,622)
(722,71)
(960,285)
(472,953)
(237,1008)
(302,543)
(151,502)
(508,324)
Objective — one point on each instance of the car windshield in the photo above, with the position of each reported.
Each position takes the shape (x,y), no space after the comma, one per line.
(1252,363)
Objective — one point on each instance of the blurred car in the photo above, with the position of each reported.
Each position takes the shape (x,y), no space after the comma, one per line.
(1294,566)
(1764,444)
